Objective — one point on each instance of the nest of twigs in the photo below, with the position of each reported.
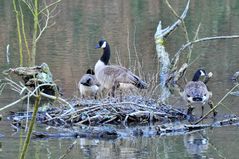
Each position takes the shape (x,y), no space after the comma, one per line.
(132,110)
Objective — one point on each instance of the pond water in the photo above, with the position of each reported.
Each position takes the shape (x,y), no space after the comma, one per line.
(129,27)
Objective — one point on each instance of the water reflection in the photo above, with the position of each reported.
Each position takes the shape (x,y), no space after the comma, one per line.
(196,144)
(68,48)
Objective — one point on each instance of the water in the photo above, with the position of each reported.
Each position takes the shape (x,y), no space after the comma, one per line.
(129,26)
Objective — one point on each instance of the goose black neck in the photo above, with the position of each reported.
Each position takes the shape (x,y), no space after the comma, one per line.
(196,76)
(106,54)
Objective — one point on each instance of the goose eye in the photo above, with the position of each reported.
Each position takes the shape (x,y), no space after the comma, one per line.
(205,94)
(188,95)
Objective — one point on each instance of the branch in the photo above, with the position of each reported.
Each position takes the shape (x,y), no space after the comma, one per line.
(224,97)
(47,7)
(169,29)
(57,98)
(200,40)
(45,26)
(29,6)
(13,103)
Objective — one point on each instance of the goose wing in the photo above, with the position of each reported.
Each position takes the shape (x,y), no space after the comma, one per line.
(123,75)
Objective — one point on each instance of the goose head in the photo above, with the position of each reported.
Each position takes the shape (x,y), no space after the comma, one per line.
(88,84)
(90,71)
(199,73)
(101,44)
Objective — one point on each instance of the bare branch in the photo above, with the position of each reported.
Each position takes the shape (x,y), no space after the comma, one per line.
(50,5)
(176,57)
(169,29)
(13,103)
(30,7)
(45,26)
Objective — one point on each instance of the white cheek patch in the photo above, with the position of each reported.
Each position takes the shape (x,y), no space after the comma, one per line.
(202,73)
(190,99)
(205,98)
(103,45)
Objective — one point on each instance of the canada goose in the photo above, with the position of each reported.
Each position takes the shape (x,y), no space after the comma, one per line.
(196,92)
(88,85)
(196,143)
(112,76)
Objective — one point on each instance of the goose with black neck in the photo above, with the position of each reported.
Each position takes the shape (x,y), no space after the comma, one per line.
(112,77)
(196,91)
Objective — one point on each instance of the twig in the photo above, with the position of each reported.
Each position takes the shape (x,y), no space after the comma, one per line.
(89,119)
(128,47)
(57,98)
(169,29)
(50,5)
(139,66)
(224,97)
(13,103)
(182,20)
(200,40)
(69,149)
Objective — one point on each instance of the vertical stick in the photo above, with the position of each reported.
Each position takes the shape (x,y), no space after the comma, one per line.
(34,41)
(19,33)
(27,140)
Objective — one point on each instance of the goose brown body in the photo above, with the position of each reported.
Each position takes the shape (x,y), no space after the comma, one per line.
(196,92)
(114,76)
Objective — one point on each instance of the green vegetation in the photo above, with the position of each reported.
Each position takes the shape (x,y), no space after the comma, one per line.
(41,13)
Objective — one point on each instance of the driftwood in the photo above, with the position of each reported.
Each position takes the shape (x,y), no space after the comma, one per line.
(34,76)
(37,80)
(163,55)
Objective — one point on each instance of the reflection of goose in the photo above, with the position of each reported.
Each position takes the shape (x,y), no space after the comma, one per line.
(195,91)
(195,143)
(113,76)
(88,85)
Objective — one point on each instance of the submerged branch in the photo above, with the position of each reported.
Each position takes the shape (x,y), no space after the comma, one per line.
(69,149)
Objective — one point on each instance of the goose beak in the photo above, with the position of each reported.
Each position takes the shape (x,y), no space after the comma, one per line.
(97,46)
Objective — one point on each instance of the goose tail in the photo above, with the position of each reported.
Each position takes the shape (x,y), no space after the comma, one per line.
(140,83)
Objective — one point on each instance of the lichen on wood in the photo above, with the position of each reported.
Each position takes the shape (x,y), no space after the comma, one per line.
(163,56)
(34,76)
